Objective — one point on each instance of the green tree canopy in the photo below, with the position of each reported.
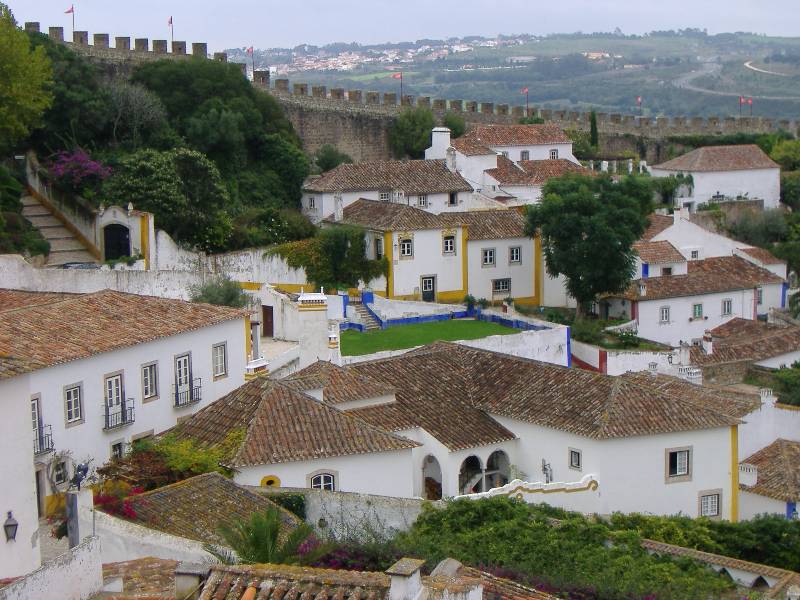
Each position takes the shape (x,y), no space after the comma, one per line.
(26,78)
(787,154)
(329,157)
(455,123)
(588,226)
(182,188)
(790,189)
(221,291)
(410,135)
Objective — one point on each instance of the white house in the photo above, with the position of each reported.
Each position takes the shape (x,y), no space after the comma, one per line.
(725,173)
(679,308)
(427,184)
(444,257)
(771,480)
(109,368)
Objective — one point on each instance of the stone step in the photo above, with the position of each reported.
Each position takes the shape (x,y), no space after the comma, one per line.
(29,201)
(56,232)
(41,221)
(69,244)
(35,211)
(60,257)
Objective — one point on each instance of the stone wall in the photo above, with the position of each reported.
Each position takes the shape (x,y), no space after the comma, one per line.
(726,373)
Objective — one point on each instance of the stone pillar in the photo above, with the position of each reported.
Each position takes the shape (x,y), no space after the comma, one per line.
(80,38)
(457,106)
(591,165)
(122,43)
(300,89)
(141,44)
(628,121)
(373,98)
(261,78)
(337,93)
(630,166)
(354,96)
(644,122)
(179,48)
(471,106)
(101,40)
(159,46)
(200,49)
(559,115)
(604,166)
(407,100)
(487,108)
(439,104)
(221,56)
(547,114)
(518,111)
(424,101)
(32,26)
(390,99)
(319,91)
(616,118)
(56,34)
(282,85)
(502,109)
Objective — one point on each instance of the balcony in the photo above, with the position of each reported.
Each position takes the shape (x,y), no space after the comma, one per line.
(119,416)
(188,394)
(43,440)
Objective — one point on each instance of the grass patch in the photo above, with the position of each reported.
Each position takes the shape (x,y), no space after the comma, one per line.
(354,343)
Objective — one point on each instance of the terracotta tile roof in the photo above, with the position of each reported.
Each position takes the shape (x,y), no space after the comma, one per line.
(196,507)
(778,471)
(658,223)
(706,276)
(765,257)
(83,325)
(742,339)
(720,158)
(386,216)
(470,147)
(144,577)
(13,299)
(499,588)
(340,385)
(278,424)
(487,224)
(11,366)
(516,135)
(542,170)
(451,391)
(508,173)
(411,176)
(654,253)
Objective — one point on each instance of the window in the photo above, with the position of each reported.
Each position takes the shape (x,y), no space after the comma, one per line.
(378,248)
(488,257)
(709,504)
(452,199)
(311,203)
(515,254)
(760,294)
(118,450)
(501,286)
(525,155)
(664,314)
(727,307)
(679,464)
(427,284)
(323,481)
(422,200)
(449,244)
(666,270)
(219,359)
(575,459)
(697,311)
(406,248)
(554,154)
(149,381)
(60,472)
(695,254)
(385,196)
(73,402)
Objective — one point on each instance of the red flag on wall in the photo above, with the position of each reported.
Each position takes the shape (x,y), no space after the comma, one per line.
(639,100)
(741,99)
(70,10)
(397,75)
(523,90)
(750,101)
(250,50)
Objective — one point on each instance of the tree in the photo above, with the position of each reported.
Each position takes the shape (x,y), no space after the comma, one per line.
(329,157)
(221,291)
(588,226)
(137,113)
(260,540)
(455,123)
(594,137)
(410,135)
(760,228)
(788,384)
(26,78)
(531,121)
(787,154)
(182,188)
(790,189)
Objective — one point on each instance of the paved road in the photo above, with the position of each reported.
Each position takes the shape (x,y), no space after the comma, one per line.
(709,68)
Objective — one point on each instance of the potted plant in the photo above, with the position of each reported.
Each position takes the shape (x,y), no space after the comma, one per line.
(469,300)
(483,304)
(508,304)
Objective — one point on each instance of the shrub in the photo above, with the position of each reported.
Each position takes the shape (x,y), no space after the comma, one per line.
(329,157)
(455,123)
(788,384)
(222,292)
(75,171)
(294,503)
(760,228)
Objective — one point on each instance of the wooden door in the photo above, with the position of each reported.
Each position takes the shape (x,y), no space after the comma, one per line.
(428,289)
(267,322)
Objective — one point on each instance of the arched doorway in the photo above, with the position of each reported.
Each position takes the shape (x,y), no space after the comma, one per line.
(116,241)
(470,476)
(497,469)
(431,478)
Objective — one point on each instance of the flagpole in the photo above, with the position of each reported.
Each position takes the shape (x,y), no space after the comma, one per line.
(73,21)
(527,106)
(401,87)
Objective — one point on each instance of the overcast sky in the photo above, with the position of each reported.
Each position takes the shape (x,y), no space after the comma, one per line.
(271,23)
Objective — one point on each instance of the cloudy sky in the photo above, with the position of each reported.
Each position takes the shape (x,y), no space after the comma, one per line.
(270,23)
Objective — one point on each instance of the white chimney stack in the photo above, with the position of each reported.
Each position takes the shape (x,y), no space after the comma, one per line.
(748,474)
(338,207)
(440,142)
(405,580)
(708,343)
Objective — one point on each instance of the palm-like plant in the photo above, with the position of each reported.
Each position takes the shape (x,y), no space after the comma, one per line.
(260,540)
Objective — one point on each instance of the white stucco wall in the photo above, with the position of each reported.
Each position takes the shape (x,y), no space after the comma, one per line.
(555,291)
(619,362)
(428,260)
(396,309)
(325,206)
(687,236)
(365,473)
(88,439)
(783,360)
(548,345)
(765,425)
(751,505)
(538,151)
(679,268)
(18,494)
(753,183)
(521,273)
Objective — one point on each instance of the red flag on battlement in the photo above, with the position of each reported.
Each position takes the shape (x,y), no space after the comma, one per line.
(250,50)
(70,10)
(523,90)
(397,75)
(750,101)
(639,100)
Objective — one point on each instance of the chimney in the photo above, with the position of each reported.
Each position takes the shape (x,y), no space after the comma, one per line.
(406,583)
(450,160)
(642,289)
(708,343)
(684,354)
(652,368)
(440,142)
(766,396)
(748,474)
(338,208)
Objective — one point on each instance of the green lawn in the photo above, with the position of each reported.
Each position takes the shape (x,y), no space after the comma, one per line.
(407,336)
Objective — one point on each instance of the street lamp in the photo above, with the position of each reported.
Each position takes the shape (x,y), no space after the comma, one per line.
(10,527)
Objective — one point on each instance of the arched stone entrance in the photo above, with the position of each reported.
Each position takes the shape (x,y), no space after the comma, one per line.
(497,469)
(431,478)
(470,476)
(116,241)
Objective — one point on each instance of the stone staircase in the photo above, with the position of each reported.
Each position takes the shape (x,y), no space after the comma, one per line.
(64,246)
(370,323)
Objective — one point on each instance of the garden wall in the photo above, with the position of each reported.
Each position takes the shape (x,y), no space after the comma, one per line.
(618,362)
